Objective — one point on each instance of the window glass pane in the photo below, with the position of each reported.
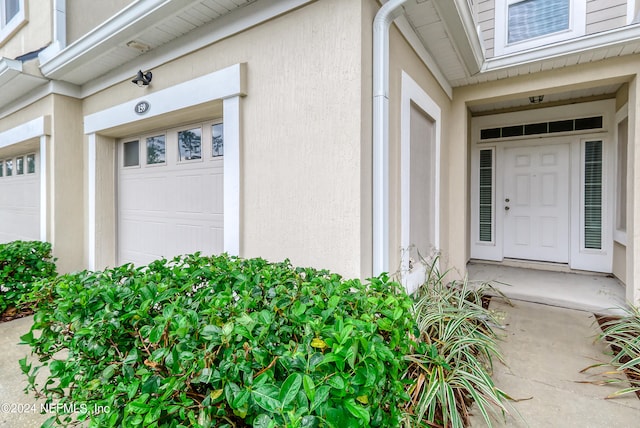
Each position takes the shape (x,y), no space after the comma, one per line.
(593,195)
(131,153)
(190,144)
(217,148)
(11,8)
(1,169)
(9,167)
(156,148)
(621,188)
(535,18)
(31,164)
(19,165)
(486,195)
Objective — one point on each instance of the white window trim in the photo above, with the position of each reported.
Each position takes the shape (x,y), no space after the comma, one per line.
(620,236)
(413,93)
(577,28)
(15,24)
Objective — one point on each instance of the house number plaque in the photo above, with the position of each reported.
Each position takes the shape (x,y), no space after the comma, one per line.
(142,107)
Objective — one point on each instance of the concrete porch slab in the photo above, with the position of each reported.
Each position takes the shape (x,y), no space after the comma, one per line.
(581,291)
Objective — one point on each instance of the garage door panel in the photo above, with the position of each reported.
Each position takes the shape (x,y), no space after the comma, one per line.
(171,208)
(142,240)
(20,201)
(135,194)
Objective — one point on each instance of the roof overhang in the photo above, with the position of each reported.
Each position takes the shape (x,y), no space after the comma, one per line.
(108,36)
(14,82)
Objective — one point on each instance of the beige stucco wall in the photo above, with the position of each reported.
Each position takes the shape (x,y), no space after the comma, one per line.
(404,58)
(82,19)
(66,183)
(301,150)
(34,34)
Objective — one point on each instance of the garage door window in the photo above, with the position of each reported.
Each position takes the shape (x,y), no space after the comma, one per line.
(190,144)
(31,164)
(9,167)
(131,153)
(19,165)
(156,150)
(217,148)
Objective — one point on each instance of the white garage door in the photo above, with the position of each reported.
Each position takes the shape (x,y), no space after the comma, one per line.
(19,198)
(170,193)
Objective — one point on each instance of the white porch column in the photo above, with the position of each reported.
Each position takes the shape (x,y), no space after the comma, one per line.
(44,189)
(633,200)
(231,137)
(91,202)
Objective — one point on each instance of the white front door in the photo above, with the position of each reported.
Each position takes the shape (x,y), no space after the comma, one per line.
(536,203)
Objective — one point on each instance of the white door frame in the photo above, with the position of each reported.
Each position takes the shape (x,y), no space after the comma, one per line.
(412,93)
(579,258)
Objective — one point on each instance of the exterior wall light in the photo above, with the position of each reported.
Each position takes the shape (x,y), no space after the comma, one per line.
(142,79)
(537,99)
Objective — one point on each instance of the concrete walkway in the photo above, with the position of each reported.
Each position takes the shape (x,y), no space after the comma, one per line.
(545,349)
(17,409)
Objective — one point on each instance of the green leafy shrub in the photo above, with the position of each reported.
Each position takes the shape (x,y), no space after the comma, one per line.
(451,368)
(21,264)
(222,341)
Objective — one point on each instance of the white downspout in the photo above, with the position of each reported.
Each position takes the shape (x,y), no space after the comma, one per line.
(59,36)
(381,23)
(60,22)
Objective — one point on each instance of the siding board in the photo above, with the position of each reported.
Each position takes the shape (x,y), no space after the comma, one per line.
(603,15)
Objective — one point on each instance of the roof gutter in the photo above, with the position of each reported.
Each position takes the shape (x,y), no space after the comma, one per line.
(381,24)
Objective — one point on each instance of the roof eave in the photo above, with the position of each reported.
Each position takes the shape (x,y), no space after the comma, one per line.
(117,30)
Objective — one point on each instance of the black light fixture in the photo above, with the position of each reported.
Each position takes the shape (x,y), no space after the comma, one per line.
(142,79)
(537,99)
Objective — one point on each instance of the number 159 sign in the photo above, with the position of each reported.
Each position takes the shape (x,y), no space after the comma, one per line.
(142,107)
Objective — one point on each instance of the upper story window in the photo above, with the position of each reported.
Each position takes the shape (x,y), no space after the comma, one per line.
(526,24)
(12,16)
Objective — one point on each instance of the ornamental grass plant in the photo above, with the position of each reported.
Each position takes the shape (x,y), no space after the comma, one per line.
(622,334)
(453,367)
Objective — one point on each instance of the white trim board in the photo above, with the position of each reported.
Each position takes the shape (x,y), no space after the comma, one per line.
(412,93)
(221,84)
(228,85)
(33,129)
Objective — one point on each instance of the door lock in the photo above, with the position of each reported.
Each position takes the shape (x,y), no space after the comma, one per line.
(506,208)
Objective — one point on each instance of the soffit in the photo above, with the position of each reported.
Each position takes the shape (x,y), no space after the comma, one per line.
(14,83)
(150,23)
(439,24)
